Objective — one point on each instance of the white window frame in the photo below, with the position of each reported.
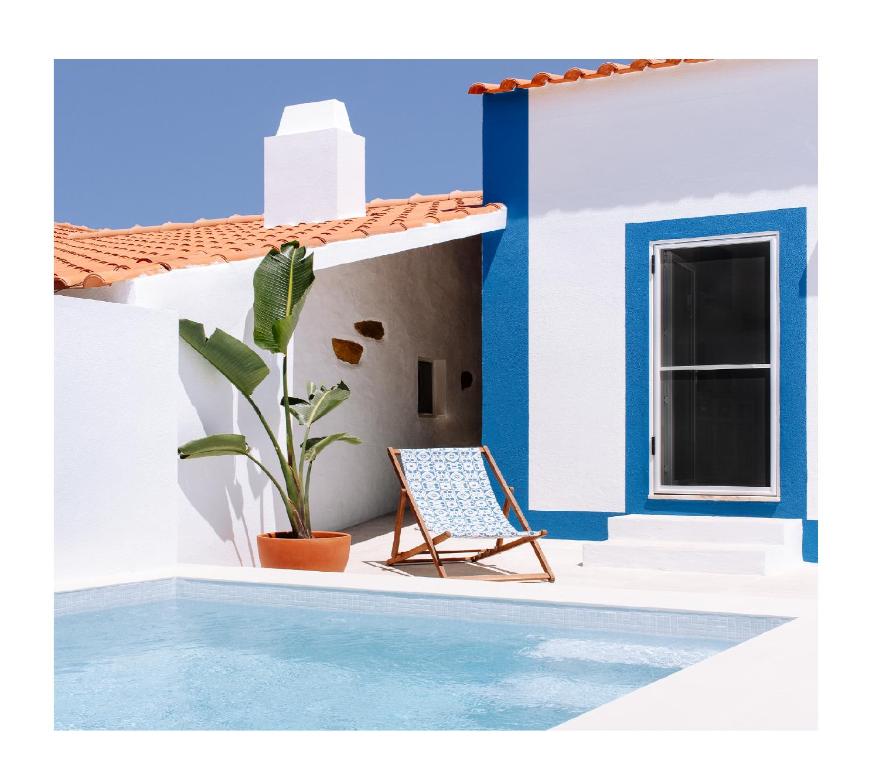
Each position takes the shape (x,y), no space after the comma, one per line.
(717,493)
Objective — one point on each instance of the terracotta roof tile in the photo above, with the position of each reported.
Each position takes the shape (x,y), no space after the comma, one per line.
(87,258)
(576,73)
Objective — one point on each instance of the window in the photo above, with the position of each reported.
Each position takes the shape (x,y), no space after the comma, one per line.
(431,387)
(715,367)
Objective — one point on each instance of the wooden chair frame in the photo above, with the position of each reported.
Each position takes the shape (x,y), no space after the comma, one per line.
(463,555)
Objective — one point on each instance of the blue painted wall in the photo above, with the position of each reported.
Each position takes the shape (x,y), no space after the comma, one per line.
(810,541)
(505,288)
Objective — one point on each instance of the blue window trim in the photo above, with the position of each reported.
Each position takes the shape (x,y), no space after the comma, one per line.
(505,288)
(790,223)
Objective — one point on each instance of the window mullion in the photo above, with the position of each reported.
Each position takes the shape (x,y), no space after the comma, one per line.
(720,367)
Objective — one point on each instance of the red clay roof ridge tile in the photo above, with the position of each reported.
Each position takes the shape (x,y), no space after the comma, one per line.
(607,69)
(168,226)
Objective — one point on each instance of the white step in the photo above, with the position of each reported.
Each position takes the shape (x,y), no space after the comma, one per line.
(701,557)
(705,528)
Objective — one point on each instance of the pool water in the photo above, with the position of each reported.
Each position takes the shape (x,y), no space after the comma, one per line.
(200,664)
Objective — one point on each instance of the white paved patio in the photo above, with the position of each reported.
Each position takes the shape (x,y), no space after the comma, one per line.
(371,546)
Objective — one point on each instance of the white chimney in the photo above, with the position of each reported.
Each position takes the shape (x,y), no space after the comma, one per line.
(314,167)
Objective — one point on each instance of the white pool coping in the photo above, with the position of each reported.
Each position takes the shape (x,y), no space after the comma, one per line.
(767,682)
(709,602)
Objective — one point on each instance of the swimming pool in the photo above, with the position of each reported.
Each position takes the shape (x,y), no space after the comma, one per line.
(198,654)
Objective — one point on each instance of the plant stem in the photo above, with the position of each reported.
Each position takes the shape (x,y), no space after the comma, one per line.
(306,509)
(296,522)
(291,477)
(291,456)
(289,424)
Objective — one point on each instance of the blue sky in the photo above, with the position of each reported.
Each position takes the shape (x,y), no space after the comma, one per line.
(144,142)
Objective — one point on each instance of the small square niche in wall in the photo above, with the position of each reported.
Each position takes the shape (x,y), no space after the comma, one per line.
(431,387)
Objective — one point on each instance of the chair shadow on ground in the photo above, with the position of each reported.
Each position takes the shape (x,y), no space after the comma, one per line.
(453,570)
(380,530)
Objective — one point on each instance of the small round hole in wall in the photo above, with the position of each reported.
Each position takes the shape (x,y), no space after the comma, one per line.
(466,379)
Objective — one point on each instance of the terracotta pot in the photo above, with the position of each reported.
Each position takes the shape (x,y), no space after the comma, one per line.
(325,551)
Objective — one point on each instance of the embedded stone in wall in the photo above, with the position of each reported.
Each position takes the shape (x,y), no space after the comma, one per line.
(372,329)
(466,379)
(347,351)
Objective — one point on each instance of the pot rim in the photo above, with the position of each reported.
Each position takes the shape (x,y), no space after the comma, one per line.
(315,535)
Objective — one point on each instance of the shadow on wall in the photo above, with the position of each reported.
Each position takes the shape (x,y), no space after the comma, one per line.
(209,484)
(213,486)
(268,398)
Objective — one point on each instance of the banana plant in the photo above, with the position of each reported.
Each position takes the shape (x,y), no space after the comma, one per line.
(280,287)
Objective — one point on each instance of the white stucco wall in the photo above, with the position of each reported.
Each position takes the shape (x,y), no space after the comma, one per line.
(715,138)
(115,479)
(429,302)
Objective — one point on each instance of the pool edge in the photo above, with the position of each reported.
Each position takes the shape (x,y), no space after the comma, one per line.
(707,602)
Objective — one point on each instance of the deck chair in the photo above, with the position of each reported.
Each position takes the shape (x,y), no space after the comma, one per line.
(450,495)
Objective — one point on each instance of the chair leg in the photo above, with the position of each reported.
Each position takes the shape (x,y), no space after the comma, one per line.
(508,493)
(398,523)
(544,563)
(428,540)
(433,553)
(506,511)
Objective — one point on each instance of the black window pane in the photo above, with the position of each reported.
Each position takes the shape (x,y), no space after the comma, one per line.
(716,427)
(425,387)
(715,305)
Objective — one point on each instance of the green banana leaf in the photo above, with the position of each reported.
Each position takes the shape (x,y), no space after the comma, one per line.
(214,445)
(297,407)
(280,286)
(233,358)
(314,445)
(319,403)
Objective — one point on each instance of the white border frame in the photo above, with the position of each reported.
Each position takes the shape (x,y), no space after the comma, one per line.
(716,493)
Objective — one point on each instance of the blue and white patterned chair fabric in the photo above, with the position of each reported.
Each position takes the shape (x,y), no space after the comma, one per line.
(453,493)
